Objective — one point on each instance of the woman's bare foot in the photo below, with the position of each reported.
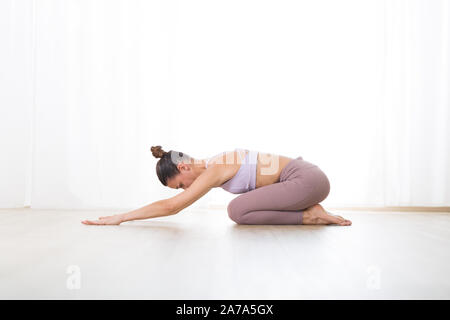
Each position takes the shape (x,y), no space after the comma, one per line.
(317,215)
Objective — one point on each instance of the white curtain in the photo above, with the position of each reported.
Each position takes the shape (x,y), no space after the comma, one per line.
(358,87)
(415,122)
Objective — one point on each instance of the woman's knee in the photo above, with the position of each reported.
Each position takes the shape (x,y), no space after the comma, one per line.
(325,186)
(321,186)
(235,211)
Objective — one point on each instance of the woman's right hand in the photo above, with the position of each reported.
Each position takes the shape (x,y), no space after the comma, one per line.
(106,220)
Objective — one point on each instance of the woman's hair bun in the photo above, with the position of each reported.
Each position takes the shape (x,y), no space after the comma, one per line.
(157,151)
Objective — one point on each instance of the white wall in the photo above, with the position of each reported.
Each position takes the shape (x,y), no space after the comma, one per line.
(16,101)
(319,79)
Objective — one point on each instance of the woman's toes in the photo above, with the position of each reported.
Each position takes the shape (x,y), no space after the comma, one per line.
(318,215)
(346,223)
(332,219)
(341,221)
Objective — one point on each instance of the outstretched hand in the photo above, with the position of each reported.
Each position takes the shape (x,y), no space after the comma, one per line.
(107,220)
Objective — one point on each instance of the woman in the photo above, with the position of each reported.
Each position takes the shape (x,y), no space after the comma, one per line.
(274,189)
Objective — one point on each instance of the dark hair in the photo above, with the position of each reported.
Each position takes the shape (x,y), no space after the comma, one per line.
(166,167)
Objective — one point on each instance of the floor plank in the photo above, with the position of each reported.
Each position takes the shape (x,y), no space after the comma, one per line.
(202,254)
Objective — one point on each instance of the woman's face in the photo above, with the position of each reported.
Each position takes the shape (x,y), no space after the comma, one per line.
(182,180)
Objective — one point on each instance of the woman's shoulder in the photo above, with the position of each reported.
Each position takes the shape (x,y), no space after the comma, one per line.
(226,162)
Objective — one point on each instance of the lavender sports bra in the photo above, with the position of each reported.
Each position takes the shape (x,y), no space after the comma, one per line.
(245,179)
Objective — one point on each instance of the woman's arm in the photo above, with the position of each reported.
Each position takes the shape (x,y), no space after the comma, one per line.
(159,208)
(212,177)
(156,209)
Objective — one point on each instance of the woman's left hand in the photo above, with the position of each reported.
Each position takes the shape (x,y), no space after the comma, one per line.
(108,220)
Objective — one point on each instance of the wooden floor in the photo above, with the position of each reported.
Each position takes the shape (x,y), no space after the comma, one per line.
(202,254)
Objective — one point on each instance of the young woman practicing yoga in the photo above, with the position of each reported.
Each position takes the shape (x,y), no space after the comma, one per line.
(274,189)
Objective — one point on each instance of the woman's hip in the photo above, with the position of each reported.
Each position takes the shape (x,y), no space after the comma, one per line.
(301,184)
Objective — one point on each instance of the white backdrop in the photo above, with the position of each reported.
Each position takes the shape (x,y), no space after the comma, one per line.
(358,87)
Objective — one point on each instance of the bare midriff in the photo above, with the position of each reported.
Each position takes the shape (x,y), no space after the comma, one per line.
(269,167)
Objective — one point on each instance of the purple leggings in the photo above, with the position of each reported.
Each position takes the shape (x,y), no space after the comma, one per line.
(302,185)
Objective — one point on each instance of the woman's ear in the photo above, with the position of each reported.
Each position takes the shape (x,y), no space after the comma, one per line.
(183,166)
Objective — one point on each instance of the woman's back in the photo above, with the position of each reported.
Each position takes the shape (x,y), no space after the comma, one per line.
(247,169)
